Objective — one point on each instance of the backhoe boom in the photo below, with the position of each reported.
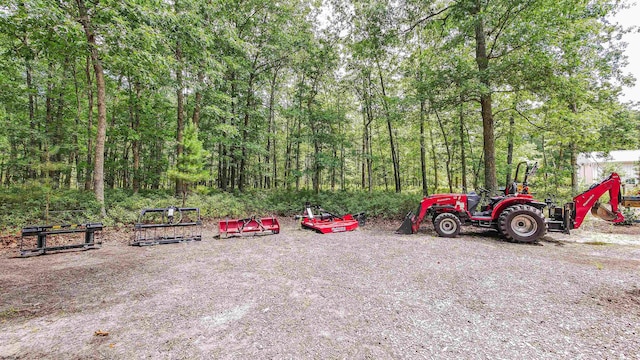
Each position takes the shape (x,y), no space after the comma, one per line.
(588,200)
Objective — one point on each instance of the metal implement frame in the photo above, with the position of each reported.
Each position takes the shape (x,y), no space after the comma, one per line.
(172,228)
(42,231)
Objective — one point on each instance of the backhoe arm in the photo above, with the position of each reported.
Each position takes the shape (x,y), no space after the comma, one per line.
(588,200)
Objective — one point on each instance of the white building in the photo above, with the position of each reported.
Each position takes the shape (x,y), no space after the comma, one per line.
(592,167)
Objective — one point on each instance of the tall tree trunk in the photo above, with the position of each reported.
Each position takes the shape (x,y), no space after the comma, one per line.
(385,178)
(365,136)
(88,175)
(32,121)
(180,110)
(48,143)
(434,158)
(245,134)
(423,151)
(136,141)
(157,160)
(271,130)
(126,176)
(369,156)
(333,170)
(394,151)
(287,155)
(544,159)
(232,150)
(574,157)
(13,154)
(317,170)
(364,148)
(485,102)
(342,155)
(198,100)
(76,145)
(98,170)
(560,166)
(449,157)
(58,137)
(274,154)
(223,156)
(512,122)
(298,132)
(463,155)
(111,152)
(368,135)
(315,132)
(298,136)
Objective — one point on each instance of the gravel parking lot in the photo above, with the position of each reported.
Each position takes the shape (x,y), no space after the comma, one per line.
(364,294)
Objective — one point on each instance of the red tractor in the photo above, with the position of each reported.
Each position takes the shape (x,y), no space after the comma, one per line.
(516,215)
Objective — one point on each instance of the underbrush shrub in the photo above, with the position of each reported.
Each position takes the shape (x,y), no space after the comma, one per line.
(630,217)
(25,205)
(216,205)
(34,204)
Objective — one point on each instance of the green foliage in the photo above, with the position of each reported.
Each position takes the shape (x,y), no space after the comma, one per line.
(286,100)
(630,216)
(190,164)
(25,205)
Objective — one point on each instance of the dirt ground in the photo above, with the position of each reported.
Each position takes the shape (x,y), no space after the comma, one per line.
(364,294)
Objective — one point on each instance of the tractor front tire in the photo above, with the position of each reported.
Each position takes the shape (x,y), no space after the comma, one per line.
(522,223)
(447,225)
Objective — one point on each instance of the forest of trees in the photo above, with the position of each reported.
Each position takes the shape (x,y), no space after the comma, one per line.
(297,94)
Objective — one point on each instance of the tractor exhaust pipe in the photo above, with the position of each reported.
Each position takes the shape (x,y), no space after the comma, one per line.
(407,225)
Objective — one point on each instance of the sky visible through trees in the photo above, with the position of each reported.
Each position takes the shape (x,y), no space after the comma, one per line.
(628,18)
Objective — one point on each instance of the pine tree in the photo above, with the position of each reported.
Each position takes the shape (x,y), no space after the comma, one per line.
(190,166)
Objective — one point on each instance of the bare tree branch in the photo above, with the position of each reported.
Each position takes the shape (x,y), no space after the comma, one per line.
(426,18)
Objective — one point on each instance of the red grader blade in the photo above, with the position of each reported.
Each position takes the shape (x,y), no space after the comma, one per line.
(252,225)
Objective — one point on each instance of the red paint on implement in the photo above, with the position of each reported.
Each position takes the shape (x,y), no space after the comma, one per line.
(325,222)
(326,226)
(254,225)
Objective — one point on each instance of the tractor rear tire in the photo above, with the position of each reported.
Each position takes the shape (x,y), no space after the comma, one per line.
(447,225)
(522,223)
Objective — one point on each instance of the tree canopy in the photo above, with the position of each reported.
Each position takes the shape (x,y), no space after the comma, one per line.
(359,94)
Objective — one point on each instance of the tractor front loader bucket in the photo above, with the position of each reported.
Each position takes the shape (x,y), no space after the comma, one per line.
(252,225)
(411,221)
(407,225)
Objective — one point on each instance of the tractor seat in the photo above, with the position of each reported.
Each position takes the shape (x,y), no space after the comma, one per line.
(495,199)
